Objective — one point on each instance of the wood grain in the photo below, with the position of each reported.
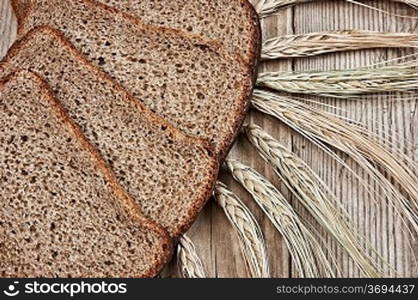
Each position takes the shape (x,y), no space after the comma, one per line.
(215,240)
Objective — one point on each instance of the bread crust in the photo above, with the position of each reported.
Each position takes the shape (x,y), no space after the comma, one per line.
(125,198)
(254,61)
(256,38)
(214,168)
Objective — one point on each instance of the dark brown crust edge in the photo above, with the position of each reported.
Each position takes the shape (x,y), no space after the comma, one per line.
(256,40)
(97,160)
(254,62)
(19,8)
(213,168)
(200,203)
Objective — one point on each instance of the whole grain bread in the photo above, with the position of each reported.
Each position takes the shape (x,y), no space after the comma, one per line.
(62,212)
(170,175)
(234,23)
(188,80)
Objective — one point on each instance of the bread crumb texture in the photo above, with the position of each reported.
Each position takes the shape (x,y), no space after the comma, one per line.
(168,174)
(59,216)
(186,80)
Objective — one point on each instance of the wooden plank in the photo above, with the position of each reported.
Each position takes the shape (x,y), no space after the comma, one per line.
(376,222)
(215,240)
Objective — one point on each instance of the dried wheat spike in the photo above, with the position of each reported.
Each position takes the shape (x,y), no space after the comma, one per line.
(344,83)
(307,253)
(318,43)
(188,261)
(315,196)
(366,150)
(253,247)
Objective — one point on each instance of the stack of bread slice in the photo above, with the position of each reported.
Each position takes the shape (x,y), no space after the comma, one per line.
(117,115)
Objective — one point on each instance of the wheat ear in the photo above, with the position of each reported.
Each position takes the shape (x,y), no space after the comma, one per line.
(314,195)
(188,261)
(312,44)
(325,129)
(343,83)
(253,247)
(267,8)
(412,3)
(307,253)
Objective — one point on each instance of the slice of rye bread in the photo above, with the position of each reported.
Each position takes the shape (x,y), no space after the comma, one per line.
(62,212)
(234,23)
(187,80)
(169,174)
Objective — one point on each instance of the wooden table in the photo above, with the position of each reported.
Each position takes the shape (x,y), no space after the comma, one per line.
(215,239)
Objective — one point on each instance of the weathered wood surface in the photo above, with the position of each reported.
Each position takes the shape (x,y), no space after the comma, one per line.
(215,240)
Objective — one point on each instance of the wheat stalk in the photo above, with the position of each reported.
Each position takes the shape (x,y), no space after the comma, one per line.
(390,139)
(321,127)
(412,3)
(188,261)
(343,83)
(249,232)
(314,195)
(312,44)
(266,8)
(307,253)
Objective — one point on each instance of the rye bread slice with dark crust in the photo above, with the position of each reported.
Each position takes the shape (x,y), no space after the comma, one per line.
(190,81)
(62,212)
(170,175)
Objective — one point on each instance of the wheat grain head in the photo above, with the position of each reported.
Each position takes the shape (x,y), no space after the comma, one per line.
(309,258)
(253,247)
(315,196)
(317,43)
